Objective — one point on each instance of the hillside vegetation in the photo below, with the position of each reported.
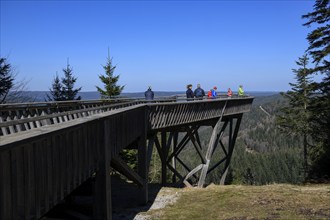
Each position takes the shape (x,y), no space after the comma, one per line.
(262,154)
(279,201)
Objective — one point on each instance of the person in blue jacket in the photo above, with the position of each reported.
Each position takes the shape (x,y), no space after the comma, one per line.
(149,94)
(214,92)
(199,92)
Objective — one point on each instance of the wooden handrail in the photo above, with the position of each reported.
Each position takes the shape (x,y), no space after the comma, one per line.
(162,112)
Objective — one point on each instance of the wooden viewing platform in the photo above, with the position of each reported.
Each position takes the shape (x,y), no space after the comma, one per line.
(48,149)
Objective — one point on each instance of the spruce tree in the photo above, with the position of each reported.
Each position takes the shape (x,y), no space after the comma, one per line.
(319,49)
(56,90)
(68,81)
(111,88)
(319,38)
(63,90)
(6,79)
(294,118)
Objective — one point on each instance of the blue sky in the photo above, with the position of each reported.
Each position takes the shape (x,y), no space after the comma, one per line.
(165,44)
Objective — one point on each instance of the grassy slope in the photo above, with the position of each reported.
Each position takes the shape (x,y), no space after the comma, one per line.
(280,201)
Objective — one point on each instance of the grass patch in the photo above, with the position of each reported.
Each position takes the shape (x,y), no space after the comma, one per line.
(279,201)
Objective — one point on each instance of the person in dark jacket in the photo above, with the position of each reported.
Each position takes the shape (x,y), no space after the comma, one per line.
(189,92)
(199,92)
(149,94)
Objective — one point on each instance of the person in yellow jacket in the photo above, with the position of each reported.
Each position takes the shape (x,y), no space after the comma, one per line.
(240,91)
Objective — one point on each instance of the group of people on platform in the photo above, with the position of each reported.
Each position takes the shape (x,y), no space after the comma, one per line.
(199,93)
(212,93)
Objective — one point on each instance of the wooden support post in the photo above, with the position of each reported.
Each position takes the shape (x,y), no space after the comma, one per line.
(150,149)
(102,203)
(232,140)
(174,146)
(5,183)
(163,159)
(143,169)
(212,145)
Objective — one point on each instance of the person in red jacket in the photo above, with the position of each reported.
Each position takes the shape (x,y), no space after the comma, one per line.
(209,94)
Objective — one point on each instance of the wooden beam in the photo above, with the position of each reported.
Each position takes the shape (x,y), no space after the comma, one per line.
(186,167)
(175,171)
(179,147)
(120,165)
(195,170)
(198,149)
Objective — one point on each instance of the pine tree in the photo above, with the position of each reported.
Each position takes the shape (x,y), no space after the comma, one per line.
(319,49)
(111,88)
(294,118)
(6,79)
(68,81)
(56,91)
(63,90)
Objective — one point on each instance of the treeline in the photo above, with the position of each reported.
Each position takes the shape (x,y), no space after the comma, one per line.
(61,89)
(296,126)
(307,113)
(263,154)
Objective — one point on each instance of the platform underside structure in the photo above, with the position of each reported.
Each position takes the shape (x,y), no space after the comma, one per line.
(47,150)
(170,144)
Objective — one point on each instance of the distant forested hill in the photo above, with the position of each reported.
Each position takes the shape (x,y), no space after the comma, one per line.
(40,96)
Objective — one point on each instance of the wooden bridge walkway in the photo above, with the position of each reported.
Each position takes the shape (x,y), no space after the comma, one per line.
(48,149)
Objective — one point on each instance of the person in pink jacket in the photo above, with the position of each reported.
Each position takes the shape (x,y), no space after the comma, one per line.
(229,93)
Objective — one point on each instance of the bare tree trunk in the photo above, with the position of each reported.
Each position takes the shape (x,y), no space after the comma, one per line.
(305,157)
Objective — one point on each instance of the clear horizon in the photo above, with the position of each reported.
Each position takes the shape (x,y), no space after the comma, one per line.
(163,44)
(183,91)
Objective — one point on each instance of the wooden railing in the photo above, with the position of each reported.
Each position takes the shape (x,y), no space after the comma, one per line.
(162,113)
(15,118)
